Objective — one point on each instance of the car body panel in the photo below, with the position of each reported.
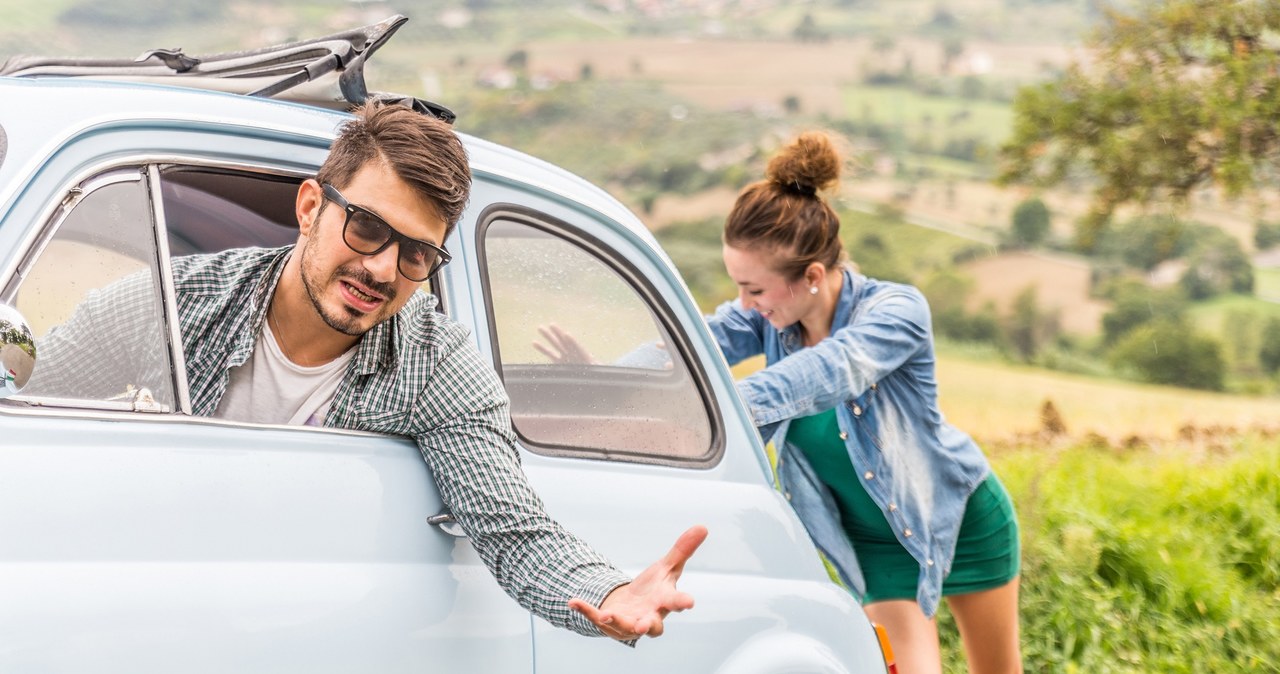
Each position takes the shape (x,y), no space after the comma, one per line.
(134,542)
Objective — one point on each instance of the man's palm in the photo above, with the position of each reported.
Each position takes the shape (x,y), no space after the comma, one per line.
(638,608)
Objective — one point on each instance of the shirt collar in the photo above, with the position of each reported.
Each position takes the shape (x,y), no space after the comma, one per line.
(849,290)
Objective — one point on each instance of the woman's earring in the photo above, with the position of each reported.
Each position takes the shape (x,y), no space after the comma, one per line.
(813,290)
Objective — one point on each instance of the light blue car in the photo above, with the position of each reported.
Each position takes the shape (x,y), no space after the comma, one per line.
(135,537)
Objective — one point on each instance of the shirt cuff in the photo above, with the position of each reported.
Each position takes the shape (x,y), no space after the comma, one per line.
(594,592)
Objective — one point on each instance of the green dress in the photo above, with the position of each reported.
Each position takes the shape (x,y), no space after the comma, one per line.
(987,551)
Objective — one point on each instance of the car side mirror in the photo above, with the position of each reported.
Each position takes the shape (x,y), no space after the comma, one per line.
(17,351)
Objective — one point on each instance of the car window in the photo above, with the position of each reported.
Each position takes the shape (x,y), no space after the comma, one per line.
(210,210)
(607,380)
(92,299)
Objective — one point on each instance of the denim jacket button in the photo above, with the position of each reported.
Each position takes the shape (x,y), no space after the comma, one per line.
(788,495)
(873,387)
(906,533)
(929,562)
(869,475)
(893,507)
(844,436)
(857,411)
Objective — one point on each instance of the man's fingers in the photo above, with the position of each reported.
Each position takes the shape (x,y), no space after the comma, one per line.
(685,546)
(680,601)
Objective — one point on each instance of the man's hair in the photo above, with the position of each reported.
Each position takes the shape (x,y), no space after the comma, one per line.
(422,150)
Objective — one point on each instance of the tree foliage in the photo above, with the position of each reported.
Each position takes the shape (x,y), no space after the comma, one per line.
(1181,94)
(1134,304)
(1030,222)
(1217,265)
(1269,350)
(1171,352)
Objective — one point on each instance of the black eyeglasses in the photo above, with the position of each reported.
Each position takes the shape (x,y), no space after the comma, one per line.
(367,234)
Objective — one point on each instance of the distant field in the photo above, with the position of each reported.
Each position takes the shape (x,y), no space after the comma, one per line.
(1061,283)
(937,117)
(1267,282)
(999,403)
(996,401)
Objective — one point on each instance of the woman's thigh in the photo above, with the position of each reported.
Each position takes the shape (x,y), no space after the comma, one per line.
(913,636)
(988,622)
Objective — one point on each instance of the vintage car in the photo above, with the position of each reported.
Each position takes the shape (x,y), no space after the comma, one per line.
(137,537)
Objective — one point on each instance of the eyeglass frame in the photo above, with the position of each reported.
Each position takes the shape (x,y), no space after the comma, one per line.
(443,257)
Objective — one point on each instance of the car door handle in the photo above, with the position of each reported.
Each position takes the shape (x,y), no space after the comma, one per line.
(446,523)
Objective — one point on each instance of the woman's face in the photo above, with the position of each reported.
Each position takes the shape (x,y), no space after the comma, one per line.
(782,303)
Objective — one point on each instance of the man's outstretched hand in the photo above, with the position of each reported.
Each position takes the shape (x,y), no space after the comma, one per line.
(637,608)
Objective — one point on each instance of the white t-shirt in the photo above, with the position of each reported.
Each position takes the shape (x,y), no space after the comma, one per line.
(271,389)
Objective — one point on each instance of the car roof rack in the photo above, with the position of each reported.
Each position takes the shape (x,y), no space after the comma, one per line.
(326,71)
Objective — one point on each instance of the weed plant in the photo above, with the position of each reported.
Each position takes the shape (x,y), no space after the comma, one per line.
(1146,560)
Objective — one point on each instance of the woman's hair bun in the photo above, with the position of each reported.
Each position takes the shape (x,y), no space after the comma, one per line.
(805,165)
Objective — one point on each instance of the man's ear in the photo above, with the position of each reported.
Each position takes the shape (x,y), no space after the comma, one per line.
(307,208)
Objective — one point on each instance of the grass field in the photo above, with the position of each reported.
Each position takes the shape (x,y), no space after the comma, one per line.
(1266,282)
(999,402)
(934,116)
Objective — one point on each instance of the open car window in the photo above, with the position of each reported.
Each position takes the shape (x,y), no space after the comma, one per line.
(587,359)
(92,297)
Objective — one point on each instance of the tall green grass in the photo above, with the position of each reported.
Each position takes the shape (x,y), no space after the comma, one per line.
(1147,561)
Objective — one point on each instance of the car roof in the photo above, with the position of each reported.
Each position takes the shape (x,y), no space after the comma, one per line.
(63,108)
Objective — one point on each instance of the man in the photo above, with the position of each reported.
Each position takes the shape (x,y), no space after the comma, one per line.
(334,331)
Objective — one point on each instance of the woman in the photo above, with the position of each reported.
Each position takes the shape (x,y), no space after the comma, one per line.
(903,505)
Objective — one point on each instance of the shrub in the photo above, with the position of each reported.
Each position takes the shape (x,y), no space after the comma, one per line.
(1135,303)
(1145,561)
(1168,351)
(1217,265)
(1030,222)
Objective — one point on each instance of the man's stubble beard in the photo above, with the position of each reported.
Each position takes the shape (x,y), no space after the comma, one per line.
(348,325)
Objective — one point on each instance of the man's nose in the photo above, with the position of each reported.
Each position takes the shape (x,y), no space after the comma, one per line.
(385,264)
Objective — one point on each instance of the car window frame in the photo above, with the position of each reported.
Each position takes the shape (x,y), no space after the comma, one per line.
(149,168)
(56,213)
(629,273)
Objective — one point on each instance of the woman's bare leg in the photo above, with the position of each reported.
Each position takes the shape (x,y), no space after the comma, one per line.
(988,622)
(914,637)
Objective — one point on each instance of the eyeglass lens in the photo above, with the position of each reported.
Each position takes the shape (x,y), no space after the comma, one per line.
(367,234)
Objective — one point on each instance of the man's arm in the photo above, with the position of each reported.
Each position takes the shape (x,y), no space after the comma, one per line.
(113,339)
(473,457)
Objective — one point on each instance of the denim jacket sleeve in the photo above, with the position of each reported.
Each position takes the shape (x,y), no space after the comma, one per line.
(884,331)
(739,332)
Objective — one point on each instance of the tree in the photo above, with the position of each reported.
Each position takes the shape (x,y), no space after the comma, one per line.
(1217,265)
(1266,235)
(1148,240)
(1134,304)
(1171,352)
(1269,351)
(1027,327)
(808,31)
(1030,222)
(1180,94)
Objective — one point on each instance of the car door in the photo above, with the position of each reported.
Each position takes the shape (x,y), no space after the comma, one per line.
(138,538)
(632,433)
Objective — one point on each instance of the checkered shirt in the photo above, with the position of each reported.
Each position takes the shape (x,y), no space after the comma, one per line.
(417,375)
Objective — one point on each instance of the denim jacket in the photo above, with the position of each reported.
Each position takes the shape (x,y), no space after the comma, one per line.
(877,370)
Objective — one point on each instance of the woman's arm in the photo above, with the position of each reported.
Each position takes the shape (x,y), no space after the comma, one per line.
(882,337)
(739,332)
